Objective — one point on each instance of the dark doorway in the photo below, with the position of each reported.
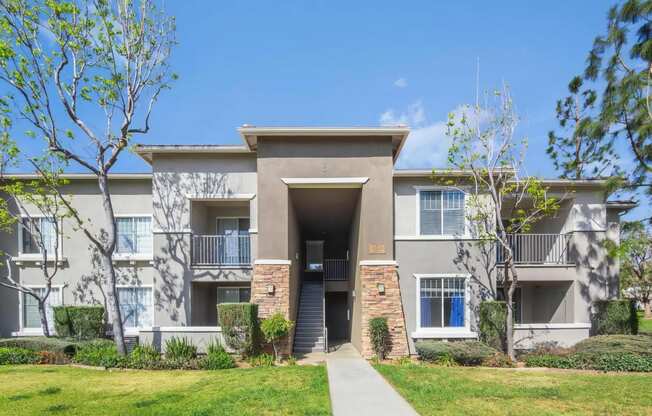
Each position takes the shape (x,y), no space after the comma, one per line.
(336,316)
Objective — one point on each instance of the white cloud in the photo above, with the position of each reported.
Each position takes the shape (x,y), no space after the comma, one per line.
(401,83)
(427,145)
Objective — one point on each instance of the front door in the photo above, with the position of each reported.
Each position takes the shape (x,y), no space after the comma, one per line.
(337,316)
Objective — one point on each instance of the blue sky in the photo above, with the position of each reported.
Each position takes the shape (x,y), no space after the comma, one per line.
(359,63)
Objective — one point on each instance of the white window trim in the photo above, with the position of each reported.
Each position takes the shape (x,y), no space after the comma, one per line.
(445,332)
(135,256)
(38,256)
(465,234)
(135,330)
(31,331)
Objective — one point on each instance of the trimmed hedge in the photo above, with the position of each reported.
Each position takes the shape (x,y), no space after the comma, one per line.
(600,362)
(240,326)
(492,325)
(80,322)
(379,334)
(615,317)
(55,345)
(608,344)
(9,356)
(461,352)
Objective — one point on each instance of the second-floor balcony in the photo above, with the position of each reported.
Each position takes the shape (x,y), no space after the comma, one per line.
(221,250)
(537,249)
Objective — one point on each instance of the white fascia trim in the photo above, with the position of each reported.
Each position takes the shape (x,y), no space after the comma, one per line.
(574,325)
(440,275)
(273,261)
(433,238)
(378,263)
(340,182)
(182,231)
(181,329)
(253,231)
(447,333)
(220,197)
(28,332)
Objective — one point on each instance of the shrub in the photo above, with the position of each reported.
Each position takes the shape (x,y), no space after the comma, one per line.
(492,325)
(144,356)
(623,362)
(607,344)
(274,329)
(602,362)
(461,352)
(615,317)
(11,355)
(80,322)
(291,360)
(239,322)
(41,344)
(379,335)
(48,357)
(214,346)
(179,349)
(217,360)
(498,360)
(99,354)
(262,360)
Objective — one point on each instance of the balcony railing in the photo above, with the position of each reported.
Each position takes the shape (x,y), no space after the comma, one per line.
(221,250)
(336,269)
(537,249)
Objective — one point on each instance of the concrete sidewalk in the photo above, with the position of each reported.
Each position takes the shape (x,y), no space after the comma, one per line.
(357,389)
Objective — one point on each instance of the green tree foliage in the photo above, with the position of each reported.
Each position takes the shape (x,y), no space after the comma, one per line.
(635,254)
(84,76)
(275,328)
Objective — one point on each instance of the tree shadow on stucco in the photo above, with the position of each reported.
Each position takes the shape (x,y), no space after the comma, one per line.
(172,205)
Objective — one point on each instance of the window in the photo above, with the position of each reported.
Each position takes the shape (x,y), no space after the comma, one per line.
(442,302)
(232,295)
(31,317)
(441,212)
(29,234)
(135,306)
(134,235)
(233,241)
(314,256)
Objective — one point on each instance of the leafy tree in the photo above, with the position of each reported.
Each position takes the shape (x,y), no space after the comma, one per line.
(32,200)
(620,65)
(483,146)
(274,329)
(84,76)
(582,151)
(635,254)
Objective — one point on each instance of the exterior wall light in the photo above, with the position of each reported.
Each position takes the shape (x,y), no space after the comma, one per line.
(381,288)
(270,289)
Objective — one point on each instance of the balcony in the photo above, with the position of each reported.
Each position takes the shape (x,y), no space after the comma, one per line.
(336,269)
(221,250)
(537,249)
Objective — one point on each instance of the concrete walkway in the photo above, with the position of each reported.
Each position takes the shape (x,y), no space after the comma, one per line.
(357,389)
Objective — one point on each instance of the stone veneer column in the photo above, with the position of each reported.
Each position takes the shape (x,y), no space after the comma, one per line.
(276,273)
(388,305)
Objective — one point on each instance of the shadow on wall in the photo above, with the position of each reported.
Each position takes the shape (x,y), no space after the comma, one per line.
(172,262)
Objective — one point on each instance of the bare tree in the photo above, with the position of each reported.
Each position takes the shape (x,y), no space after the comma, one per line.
(484,145)
(85,76)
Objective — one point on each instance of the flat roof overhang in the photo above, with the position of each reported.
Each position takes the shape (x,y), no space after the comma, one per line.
(250,134)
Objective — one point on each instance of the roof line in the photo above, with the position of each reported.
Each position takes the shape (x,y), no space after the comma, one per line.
(126,176)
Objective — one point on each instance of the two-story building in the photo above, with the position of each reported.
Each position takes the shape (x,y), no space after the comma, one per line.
(316,223)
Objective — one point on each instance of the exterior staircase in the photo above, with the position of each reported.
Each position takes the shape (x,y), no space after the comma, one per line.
(309,332)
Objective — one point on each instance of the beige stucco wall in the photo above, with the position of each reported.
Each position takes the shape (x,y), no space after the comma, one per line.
(79,273)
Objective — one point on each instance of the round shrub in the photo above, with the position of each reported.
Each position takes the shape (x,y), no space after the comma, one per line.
(9,355)
(614,317)
(217,360)
(55,345)
(492,325)
(607,344)
(80,322)
(99,353)
(461,352)
(379,335)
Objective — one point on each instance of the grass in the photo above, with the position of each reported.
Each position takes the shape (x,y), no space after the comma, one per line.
(644,325)
(62,390)
(482,391)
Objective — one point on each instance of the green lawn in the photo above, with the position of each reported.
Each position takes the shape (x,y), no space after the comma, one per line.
(484,391)
(644,325)
(58,390)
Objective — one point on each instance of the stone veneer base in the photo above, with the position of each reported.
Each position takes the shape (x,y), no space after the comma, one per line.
(277,275)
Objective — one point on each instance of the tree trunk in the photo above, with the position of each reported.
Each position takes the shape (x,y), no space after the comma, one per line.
(648,309)
(106,254)
(509,325)
(113,304)
(44,317)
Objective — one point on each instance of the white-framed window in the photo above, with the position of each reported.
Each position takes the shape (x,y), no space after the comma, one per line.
(31,320)
(233,295)
(443,302)
(134,235)
(440,212)
(136,306)
(28,235)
